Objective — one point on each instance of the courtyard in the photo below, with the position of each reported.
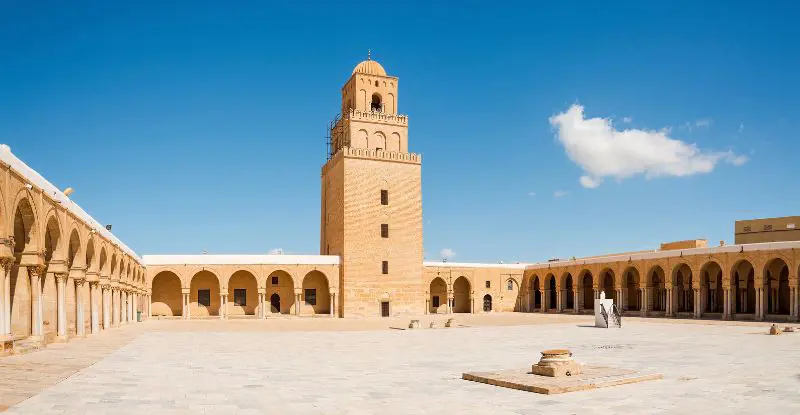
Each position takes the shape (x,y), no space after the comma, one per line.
(341,366)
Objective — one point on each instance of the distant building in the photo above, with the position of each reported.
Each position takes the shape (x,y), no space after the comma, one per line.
(782,229)
(689,244)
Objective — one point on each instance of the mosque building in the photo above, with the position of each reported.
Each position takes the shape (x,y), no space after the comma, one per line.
(65,275)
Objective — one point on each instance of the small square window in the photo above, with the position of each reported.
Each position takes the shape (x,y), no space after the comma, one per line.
(384,197)
(384,230)
(385,267)
(311,296)
(488,284)
(240,296)
(204,297)
(274,280)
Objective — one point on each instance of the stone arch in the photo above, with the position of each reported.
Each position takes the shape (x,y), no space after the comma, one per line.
(362,97)
(242,293)
(743,284)
(166,298)
(657,283)
(377,141)
(536,292)
(390,103)
(586,280)
(25,224)
(568,290)
(75,250)
(316,293)
(711,287)
(204,291)
(631,283)
(280,282)
(683,298)
(360,139)
(90,259)
(513,291)
(776,286)
(608,283)
(437,296)
(103,263)
(551,292)
(462,295)
(52,239)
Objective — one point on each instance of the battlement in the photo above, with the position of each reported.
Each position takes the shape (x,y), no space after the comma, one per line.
(367,154)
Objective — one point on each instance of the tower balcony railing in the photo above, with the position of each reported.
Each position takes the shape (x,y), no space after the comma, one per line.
(358,115)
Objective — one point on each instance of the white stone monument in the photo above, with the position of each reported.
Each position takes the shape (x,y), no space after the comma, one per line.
(607,304)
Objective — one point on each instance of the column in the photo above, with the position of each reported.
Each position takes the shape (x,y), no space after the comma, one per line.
(79,317)
(668,305)
(105,304)
(726,309)
(262,304)
(35,274)
(578,302)
(93,315)
(299,298)
(332,308)
(221,306)
(760,303)
(61,312)
(5,295)
(644,294)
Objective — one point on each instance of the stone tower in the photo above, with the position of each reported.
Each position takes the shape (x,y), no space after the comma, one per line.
(372,200)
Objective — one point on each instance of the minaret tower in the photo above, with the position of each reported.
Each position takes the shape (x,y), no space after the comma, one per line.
(372,200)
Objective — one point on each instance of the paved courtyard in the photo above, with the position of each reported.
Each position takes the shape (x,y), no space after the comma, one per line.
(244,367)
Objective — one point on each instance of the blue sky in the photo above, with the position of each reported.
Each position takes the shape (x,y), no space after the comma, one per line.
(201,127)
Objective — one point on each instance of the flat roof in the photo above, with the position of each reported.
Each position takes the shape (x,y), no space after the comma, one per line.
(473,265)
(59,197)
(205,259)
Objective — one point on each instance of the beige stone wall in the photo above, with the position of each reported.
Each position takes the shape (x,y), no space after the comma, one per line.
(467,287)
(767,230)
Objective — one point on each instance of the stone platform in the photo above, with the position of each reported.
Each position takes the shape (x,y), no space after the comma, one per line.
(591,377)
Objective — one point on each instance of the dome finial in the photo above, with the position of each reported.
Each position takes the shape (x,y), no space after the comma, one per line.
(369,54)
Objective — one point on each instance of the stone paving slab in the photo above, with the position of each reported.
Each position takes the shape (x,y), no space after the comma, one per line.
(212,368)
(591,377)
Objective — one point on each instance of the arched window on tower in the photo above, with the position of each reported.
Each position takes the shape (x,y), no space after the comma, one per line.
(377,105)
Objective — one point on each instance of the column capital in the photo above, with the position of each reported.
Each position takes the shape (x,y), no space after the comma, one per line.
(60,276)
(36,271)
(6,262)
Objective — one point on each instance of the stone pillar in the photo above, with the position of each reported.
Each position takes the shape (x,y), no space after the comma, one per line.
(760,304)
(668,305)
(93,314)
(104,303)
(643,302)
(578,302)
(37,327)
(187,304)
(80,322)
(222,306)
(61,302)
(299,297)
(5,295)
(331,305)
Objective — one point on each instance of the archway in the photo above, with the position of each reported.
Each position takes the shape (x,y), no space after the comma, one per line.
(242,294)
(776,287)
(204,297)
(536,290)
(711,293)
(588,291)
(462,302)
(20,287)
(743,276)
(166,298)
(569,291)
(438,296)
(275,302)
(53,256)
(487,303)
(552,294)
(281,283)
(633,294)
(513,292)
(658,288)
(76,292)
(316,295)
(684,299)
(607,278)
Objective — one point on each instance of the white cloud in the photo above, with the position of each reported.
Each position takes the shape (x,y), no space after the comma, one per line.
(627,120)
(561,193)
(275,251)
(531,194)
(447,253)
(603,151)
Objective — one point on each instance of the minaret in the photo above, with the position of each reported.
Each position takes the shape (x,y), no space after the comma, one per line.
(372,200)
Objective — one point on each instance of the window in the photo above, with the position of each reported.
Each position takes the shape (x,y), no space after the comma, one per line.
(767,227)
(510,285)
(488,284)
(311,296)
(747,229)
(385,267)
(376,103)
(274,280)
(435,301)
(204,297)
(384,309)
(384,230)
(384,197)
(239,296)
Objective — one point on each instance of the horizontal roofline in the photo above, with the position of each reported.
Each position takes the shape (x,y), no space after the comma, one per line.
(473,265)
(205,259)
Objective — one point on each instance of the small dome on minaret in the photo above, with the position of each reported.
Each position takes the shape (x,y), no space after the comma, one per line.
(369,67)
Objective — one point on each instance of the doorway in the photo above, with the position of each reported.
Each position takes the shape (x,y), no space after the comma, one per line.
(275,303)
(385,309)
